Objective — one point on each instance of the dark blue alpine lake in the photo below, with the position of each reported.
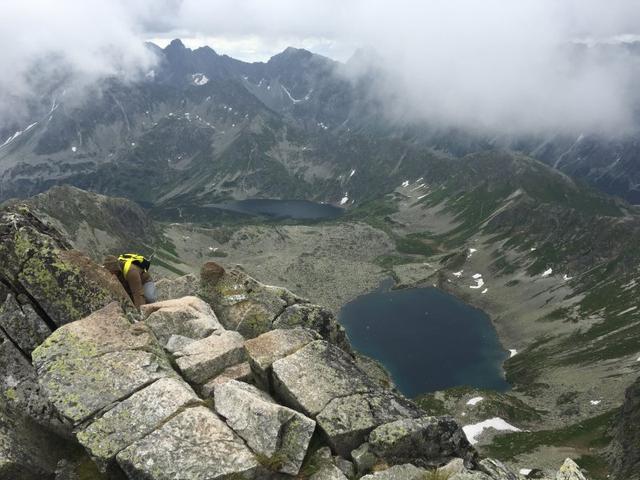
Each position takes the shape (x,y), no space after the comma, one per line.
(295,209)
(428,340)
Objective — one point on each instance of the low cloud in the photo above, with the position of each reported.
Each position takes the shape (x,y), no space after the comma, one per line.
(495,65)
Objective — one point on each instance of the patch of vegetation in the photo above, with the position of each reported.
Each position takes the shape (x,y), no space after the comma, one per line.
(589,436)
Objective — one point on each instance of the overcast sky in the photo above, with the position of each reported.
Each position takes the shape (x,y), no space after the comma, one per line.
(490,63)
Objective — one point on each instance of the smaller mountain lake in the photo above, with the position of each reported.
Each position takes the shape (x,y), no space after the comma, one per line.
(295,209)
(427,340)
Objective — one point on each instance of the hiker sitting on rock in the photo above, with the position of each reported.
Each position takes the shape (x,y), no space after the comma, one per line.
(132,271)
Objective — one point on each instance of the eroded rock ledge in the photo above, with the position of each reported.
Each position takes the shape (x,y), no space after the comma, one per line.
(237,379)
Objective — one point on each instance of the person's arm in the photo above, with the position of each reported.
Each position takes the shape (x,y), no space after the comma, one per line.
(135,285)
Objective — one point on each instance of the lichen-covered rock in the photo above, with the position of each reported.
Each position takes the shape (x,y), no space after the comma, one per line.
(317,318)
(363,459)
(241,372)
(346,421)
(188,317)
(278,433)
(241,302)
(205,359)
(425,441)
(20,390)
(168,288)
(194,445)
(27,451)
(86,365)
(322,466)
(135,417)
(310,378)
(23,325)
(274,345)
(496,469)
(624,453)
(64,285)
(398,472)
(570,471)
(177,343)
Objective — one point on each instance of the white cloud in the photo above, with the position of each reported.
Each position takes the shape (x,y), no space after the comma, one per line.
(496,64)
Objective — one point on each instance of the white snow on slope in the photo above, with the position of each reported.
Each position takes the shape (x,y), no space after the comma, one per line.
(352,173)
(627,310)
(471,252)
(475,400)
(477,275)
(458,274)
(512,352)
(405,183)
(200,79)
(525,471)
(547,272)
(74,149)
(484,291)
(479,283)
(17,134)
(595,402)
(475,430)
(344,199)
(566,277)
(422,196)
(289,95)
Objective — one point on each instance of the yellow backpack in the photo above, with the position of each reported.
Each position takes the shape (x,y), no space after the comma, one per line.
(133,259)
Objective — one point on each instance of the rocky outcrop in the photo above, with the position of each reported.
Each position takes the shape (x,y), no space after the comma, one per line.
(274,345)
(624,451)
(317,318)
(570,471)
(425,441)
(205,359)
(27,451)
(22,324)
(188,317)
(277,433)
(195,444)
(87,365)
(170,288)
(61,285)
(134,418)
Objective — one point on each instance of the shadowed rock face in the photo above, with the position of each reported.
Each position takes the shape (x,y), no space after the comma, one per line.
(625,451)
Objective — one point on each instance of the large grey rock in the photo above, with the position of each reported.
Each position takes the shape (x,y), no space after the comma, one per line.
(278,433)
(321,466)
(624,454)
(470,475)
(194,445)
(274,345)
(425,441)
(363,459)
(241,372)
(23,325)
(399,472)
(346,421)
(27,451)
(19,388)
(570,471)
(496,469)
(205,359)
(317,318)
(188,317)
(169,288)
(36,260)
(135,417)
(87,365)
(310,378)
(241,302)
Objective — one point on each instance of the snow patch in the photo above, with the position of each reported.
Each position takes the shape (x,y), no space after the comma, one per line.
(405,184)
(628,310)
(17,134)
(475,400)
(458,274)
(477,275)
(566,277)
(547,272)
(525,471)
(512,352)
(352,173)
(595,402)
(471,252)
(479,283)
(344,199)
(484,291)
(532,249)
(422,196)
(74,149)
(200,79)
(289,95)
(475,430)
